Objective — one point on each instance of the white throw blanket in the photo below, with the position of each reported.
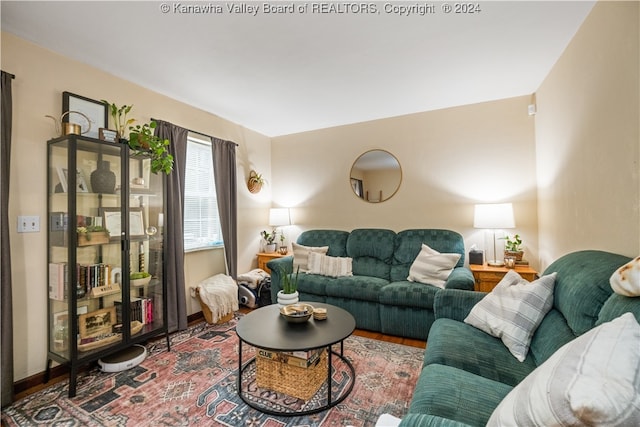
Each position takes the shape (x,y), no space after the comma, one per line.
(220,294)
(253,278)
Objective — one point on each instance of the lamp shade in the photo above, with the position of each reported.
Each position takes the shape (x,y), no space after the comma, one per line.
(279,217)
(494,215)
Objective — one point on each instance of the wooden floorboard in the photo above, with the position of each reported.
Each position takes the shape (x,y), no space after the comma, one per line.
(35,383)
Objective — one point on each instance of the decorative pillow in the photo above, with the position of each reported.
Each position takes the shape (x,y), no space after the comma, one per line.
(592,380)
(301,255)
(431,267)
(513,310)
(329,265)
(626,280)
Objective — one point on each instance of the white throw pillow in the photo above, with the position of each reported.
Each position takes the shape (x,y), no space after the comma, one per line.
(301,255)
(513,310)
(431,267)
(592,380)
(329,265)
(626,280)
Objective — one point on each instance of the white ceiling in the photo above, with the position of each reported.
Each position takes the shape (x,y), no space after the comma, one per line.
(285,73)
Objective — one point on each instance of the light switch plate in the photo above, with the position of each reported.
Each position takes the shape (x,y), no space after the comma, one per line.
(28,224)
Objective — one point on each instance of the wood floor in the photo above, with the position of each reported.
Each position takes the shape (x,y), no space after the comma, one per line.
(35,383)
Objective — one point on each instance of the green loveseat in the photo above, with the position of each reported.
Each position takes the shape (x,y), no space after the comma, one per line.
(378,295)
(466,372)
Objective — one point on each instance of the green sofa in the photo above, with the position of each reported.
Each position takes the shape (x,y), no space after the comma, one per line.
(378,295)
(466,372)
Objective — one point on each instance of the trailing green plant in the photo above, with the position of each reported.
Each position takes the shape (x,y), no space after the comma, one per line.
(289,281)
(119,115)
(512,244)
(143,141)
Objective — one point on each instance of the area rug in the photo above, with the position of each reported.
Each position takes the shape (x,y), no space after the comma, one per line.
(195,384)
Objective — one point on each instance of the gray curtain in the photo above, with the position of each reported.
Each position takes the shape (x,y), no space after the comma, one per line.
(173,226)
(224,169)
(6,113)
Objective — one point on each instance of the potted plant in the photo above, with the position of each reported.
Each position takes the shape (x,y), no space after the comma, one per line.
(512,247)
(119,116)
(92,235)
(270,238)
(255,182)
(283,248)
(289,292)
(142,141)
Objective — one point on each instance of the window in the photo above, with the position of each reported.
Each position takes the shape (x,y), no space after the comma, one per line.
(201,219)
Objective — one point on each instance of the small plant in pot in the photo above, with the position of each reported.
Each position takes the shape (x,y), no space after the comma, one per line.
(513,248)
(289,292)
(119,116)
(270,239)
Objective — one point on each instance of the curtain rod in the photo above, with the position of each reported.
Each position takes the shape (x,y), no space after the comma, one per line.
(9,74)
(194,131)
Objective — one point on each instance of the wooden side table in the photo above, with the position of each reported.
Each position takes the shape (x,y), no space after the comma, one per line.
(487,277)
(264,258)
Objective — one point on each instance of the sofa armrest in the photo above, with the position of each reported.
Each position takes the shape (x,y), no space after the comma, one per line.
(426,420)
(277,266)
(460,278)
(455,303)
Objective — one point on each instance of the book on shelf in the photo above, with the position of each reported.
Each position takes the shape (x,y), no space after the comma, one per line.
(58,280)
(141,310)
(311,357)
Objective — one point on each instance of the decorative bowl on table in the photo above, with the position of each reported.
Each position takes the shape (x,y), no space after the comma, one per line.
(297,313)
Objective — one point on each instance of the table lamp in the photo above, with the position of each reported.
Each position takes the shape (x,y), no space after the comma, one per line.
(494,216)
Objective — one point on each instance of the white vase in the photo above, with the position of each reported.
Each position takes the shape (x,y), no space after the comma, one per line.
(286,299)
(270,248)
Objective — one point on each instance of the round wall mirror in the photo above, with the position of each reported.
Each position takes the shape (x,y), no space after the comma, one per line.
(376,176)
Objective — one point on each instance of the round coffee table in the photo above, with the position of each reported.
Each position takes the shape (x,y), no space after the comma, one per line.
(266,329)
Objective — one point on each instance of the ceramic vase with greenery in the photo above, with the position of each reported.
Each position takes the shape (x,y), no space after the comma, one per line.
(289,292)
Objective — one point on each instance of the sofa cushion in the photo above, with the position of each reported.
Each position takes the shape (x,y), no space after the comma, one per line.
(356,287)
(582,286)
(431,267)
(462,346)
(335,239)
(626,280)
(452,393)
(408,244)
(313,284)
(408,294)
(331,266)
(552,334)
(616,306)
(593,380)
(372,251)
(513,310)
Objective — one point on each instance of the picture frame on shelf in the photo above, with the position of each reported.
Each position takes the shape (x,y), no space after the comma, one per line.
(62,177)
(136,223)
(96,111)
(97,322)
(108,135)
(112,221)
(81,183)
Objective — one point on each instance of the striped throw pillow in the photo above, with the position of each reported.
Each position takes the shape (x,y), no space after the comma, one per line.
(431,267)
(593,380)
(329,265)
(301,255)
(513,310)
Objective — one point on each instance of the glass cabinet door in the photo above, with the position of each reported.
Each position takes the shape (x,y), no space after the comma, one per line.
(86,257)
(146,221)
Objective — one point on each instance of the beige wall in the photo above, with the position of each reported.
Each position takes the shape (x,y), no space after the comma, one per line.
(450,159)
(41,77)
(587,139)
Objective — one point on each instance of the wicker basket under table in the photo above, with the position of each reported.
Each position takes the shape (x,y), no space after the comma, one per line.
(295,381)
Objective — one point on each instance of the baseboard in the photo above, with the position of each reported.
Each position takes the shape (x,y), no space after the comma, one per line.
(58,372)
